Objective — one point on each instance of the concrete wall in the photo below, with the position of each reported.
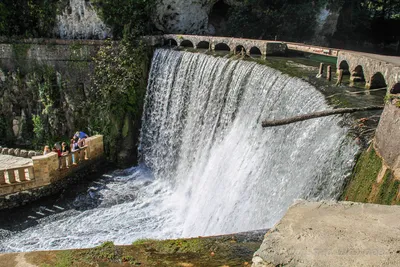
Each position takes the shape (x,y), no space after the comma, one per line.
(388,135)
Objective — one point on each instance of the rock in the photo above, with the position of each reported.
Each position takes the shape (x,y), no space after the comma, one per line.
(4,151)
(234,2)
(183,16)
(10,151)
(23,153)
(80,21)
(333,234)
(31,154)
(17,152)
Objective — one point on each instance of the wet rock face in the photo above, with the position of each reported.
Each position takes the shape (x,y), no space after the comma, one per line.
(183,16)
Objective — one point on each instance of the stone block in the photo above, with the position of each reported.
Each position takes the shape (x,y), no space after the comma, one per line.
(11,151)
(4,151)
(23,153)
(17,152)
(31,154)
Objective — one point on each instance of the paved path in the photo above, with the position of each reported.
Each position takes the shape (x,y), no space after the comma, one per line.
(333,234)
(7,162)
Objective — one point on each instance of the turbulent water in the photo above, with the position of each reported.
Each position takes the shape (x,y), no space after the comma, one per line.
(208,167)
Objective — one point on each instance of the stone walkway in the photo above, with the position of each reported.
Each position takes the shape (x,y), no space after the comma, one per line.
(7,162)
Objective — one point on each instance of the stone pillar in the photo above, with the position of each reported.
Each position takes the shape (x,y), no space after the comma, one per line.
(11,176)
(21,175)
(2,178)
(329,73)
(340,77)
(46,167)
(321,70)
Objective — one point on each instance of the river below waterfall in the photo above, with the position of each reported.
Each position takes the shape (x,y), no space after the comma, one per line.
(208,167)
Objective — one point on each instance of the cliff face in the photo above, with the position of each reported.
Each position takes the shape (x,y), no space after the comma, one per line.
(43,89)
(183,16)
(79,20)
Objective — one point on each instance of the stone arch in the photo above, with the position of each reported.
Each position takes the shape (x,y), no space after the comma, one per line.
(239,48)
(358,73)
(203,45)
(343,65)
(255,51)
(171,42)
(395,89)
(377,81)
(222,47)
(187,43)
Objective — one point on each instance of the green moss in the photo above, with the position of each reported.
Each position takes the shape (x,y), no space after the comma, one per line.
(388,190)
(20,51)
(232,250)
(106,251)
(363,177)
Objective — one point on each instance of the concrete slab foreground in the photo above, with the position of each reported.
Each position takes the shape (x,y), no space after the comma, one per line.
(333,234)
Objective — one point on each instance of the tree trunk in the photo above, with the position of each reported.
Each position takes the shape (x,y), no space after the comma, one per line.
(317,115)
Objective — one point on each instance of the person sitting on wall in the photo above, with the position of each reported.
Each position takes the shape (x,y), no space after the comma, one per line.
(80,135)
(46,150)
(58,151)
(65,150)
(73,147)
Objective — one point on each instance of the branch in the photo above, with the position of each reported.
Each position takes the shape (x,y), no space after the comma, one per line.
(317,115)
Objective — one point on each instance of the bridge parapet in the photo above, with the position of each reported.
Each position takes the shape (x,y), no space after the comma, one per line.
(373,67)
(262,47)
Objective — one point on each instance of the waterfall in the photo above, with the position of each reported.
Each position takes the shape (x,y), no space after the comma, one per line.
(202,131)
(208,167)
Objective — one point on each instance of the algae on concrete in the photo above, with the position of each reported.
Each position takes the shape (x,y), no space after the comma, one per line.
(229,250)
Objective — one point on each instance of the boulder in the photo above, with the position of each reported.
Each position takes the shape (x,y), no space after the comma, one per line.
(31,154)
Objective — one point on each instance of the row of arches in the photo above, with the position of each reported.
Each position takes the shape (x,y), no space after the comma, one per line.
(376,81)
(218,47)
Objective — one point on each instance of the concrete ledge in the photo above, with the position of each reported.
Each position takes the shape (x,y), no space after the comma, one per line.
(333,234)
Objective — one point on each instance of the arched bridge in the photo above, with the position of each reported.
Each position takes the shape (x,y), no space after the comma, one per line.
(376,70)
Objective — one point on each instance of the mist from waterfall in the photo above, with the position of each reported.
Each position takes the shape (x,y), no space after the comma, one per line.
(208,167)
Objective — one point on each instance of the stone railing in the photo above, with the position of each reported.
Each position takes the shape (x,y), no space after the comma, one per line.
(16,152)
(49,168)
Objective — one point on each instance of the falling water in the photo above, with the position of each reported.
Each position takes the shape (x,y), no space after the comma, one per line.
(208,167)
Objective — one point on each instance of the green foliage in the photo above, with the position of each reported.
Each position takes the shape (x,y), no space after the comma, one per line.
(388,190)
(119,86)
(289,20)
(39,130)
(28,18)
(125,16)
(6,135)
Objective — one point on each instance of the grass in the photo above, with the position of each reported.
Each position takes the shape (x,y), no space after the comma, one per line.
(363,185)
(208,251)
(363,177)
